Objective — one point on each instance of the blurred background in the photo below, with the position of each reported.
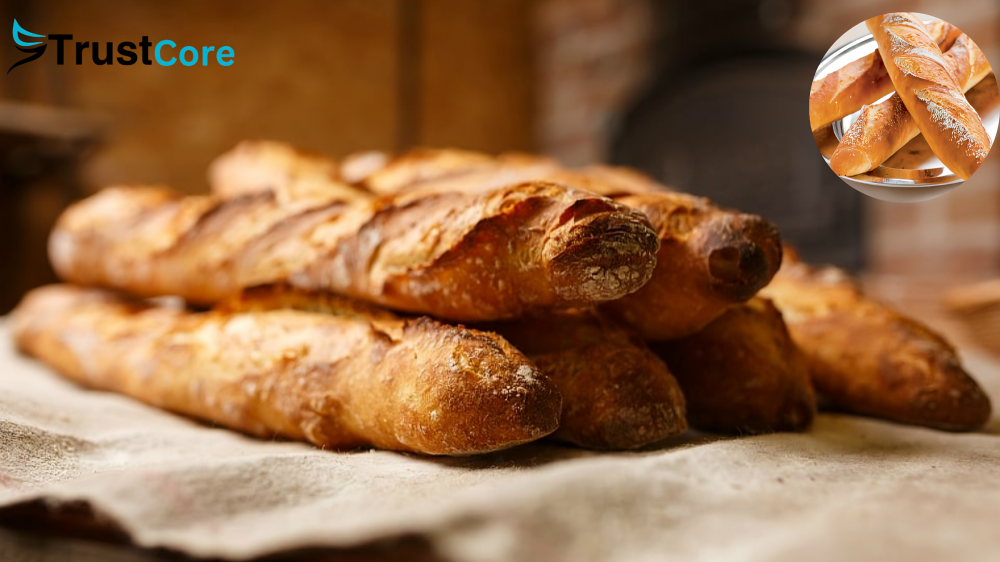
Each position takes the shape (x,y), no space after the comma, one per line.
(709,96)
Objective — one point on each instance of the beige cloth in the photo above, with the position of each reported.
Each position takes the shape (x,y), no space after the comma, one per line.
(849,489)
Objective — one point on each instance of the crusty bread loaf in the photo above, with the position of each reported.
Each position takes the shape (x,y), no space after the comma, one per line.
(930,92)
(967,62)
(337,381)
(881,130)
(714,257)
(826,140)
(467,257)
(420,164)
(866,358)
(709,258)
(475,177)
(846,90)
(356,167)
(621,180)
(984,97)
(616,393)
(742,373)
(884,127)
(290,172)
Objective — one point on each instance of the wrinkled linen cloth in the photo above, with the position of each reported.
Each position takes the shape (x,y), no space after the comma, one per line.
(850,488)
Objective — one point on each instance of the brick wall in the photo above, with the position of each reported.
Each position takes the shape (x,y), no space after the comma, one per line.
(592,56)
(595,55)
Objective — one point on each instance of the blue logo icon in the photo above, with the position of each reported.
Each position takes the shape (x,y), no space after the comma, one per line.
(22,45)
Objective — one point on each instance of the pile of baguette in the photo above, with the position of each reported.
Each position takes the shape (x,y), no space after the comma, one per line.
(448,302)
(930,67)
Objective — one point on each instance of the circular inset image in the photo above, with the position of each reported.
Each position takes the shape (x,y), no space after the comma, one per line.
(904,107)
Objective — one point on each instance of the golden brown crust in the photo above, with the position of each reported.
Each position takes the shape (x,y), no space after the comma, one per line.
(742,373)
(421,164)
(709,259)
(623,179)
(932,96)
(448,170)
(826,141)
(455,255)
(984,97)
(885,127)
(967,62)
(866,358)
(466,172)
(881,130)
(289,172)
(715,257)
(616,393)
(712,256)
(278,296)
(335,381)
(844,91)
(357,166)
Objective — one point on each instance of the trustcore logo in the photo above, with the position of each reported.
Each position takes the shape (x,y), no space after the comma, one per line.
(164,53)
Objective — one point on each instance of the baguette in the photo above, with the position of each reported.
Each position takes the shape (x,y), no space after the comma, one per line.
(844,91)
(712,256)
(742,373)
(616,393)
(459,256)
(290,172)
(883,128)
(356,167)
(985,96)
(335,381)
(709,258)
(420,164)
(930,92)
(866,358)
(826,141)
(622,180)
(435,171)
